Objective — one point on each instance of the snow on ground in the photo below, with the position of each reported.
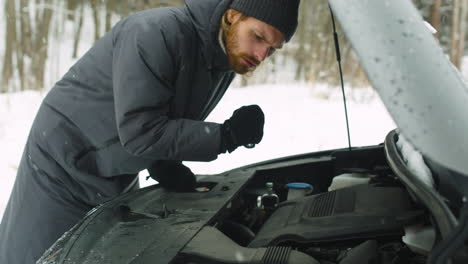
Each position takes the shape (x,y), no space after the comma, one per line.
(16,114)
(299,119)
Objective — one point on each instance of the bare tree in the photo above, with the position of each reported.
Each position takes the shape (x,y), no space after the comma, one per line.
(95,6)
(40,45)
(110,8)
(455,32)
(11,41)
(458,28)
(79,13)
(435,17)
(301,36)
(463,18)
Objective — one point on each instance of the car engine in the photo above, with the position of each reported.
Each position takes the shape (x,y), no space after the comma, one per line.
(363,216)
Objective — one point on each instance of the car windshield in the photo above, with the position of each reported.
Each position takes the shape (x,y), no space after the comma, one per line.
(298,88)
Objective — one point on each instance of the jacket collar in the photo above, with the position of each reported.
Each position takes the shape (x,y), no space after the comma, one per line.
(206,17)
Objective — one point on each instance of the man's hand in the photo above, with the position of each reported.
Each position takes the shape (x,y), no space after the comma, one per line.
(173,176)
(243,128)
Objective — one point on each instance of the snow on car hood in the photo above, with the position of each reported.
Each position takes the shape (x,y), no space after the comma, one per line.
(415,162)
(423,92)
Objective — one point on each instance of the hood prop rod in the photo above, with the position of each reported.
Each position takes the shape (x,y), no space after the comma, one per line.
(338,58)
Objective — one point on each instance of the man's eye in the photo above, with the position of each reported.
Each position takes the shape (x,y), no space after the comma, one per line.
(258,37)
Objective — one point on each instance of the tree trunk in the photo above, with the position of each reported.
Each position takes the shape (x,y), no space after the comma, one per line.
(79,26)
(435,17)
(301,32)
(41,46)
(97,21)
(110,7)
(11,40)
(25,40)
(463,18)
(455,33)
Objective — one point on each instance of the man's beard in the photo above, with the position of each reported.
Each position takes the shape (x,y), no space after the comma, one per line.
(236,62)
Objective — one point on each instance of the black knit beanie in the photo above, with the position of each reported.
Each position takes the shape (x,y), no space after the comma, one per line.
(281,14)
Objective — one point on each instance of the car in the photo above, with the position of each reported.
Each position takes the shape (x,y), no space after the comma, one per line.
(402,201)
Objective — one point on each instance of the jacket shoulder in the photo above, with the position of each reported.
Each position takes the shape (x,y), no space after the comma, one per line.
(170,20)
(172,24)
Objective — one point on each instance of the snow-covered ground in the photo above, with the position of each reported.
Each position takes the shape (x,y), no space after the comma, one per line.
(299,118)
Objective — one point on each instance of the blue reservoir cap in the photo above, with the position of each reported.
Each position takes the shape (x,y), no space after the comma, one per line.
(299,185)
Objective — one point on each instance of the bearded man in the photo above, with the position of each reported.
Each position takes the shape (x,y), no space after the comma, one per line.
(137,99)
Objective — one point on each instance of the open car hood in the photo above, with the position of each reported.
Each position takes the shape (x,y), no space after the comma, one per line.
(423,92)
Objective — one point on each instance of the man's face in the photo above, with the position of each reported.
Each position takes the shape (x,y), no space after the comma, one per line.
(249,42)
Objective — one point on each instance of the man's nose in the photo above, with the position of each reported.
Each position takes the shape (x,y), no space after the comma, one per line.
(261,53)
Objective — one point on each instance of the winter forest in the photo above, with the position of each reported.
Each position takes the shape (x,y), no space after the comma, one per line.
(40,39)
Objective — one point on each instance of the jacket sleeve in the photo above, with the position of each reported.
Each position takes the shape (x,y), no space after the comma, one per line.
(144,71)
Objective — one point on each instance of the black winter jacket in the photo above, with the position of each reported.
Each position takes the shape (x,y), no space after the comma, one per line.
(137,96)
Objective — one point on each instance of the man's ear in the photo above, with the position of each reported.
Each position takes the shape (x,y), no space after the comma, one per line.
(232,16)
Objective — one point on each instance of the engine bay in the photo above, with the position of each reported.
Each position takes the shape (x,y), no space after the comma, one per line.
(329,211)
(330,207)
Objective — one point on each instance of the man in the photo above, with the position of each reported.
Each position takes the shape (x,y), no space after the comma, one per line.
(136,100)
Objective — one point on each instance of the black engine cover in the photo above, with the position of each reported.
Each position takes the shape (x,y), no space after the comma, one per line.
(361,211)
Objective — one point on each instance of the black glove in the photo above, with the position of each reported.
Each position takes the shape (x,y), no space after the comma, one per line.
(243,128)
(173,176)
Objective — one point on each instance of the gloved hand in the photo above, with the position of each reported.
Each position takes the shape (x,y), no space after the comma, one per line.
(173,176)
(243,128)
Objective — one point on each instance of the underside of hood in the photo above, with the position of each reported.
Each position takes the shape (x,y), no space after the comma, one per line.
(423,92)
